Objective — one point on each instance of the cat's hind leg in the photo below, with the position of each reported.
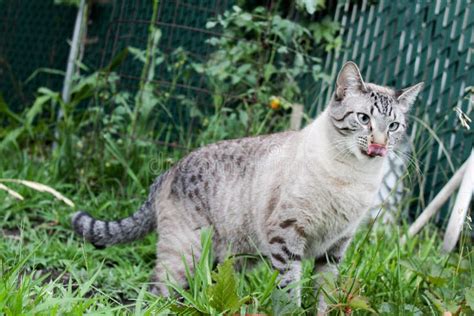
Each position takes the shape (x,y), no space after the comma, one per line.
(178,248)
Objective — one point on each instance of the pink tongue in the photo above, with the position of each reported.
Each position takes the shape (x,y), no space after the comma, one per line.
(376,150)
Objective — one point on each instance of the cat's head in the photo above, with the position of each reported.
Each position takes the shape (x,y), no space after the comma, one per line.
(370,120)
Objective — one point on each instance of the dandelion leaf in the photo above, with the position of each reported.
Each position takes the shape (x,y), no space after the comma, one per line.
(223,293)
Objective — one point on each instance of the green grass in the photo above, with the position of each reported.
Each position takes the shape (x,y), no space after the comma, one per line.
(45,269)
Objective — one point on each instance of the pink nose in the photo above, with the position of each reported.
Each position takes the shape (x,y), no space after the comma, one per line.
(376,150)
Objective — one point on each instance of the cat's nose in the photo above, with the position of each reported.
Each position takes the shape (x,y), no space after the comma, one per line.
(377,144)
(378,138)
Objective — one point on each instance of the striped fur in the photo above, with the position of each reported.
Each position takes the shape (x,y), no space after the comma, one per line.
(106,233)
(289,196)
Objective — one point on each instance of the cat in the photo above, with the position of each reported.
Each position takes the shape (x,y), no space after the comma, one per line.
(289,196)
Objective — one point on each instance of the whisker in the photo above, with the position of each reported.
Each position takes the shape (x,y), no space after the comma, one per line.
(342,155)
(411,160)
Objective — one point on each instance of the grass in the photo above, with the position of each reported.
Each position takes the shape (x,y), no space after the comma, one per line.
(45,269)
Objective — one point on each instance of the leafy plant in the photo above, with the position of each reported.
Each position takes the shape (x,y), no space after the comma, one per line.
(106,132)
(223,293)
(310,5)
(260,57)
(103,130)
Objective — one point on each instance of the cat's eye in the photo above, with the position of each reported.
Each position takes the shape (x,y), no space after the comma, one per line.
(364,119)
(393,126)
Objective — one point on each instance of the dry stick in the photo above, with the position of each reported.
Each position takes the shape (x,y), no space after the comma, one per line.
(459,212)
(437,202)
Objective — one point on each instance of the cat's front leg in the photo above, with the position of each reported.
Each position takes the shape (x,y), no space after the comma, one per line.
(286,243)
(328,264)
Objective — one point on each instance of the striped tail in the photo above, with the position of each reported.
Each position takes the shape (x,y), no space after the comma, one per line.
(106,233)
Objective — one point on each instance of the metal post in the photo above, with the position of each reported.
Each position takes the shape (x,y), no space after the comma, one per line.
(71,62)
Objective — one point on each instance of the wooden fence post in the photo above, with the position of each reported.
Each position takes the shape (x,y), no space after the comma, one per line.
(459,212)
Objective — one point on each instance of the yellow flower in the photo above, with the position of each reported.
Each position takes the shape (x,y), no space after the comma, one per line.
(275,103)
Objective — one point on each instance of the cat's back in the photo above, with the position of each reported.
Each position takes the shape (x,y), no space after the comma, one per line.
(213,176)
(230,159)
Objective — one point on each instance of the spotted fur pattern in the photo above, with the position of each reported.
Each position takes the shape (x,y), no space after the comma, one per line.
(289,196)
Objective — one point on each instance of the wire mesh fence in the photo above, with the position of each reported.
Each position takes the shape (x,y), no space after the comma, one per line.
(399,43)
(34,34)
(182,24)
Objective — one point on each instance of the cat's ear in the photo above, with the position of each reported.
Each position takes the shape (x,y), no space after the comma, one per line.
(406,97)
(349,79)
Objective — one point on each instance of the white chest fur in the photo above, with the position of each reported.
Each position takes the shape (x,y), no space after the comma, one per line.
(340,191)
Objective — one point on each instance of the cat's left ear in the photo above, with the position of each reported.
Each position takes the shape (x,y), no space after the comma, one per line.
(408,96)
(349,80)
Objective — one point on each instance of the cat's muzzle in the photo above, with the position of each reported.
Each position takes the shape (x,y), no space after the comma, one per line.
(376,150)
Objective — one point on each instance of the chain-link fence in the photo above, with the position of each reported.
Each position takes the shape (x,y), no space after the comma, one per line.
(400,43)
(34,35)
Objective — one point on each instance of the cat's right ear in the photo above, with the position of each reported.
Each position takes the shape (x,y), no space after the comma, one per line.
(349,79)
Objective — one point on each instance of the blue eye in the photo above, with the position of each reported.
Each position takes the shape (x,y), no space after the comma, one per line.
(393,126)
(364,119)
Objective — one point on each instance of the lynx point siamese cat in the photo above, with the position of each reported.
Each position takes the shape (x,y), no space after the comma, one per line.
(289,196)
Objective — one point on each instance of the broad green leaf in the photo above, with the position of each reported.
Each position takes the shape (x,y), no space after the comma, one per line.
(184,310)
(236,9)
(469,295)
(309,5)
(210,24)
(244,69)
(360,302)
(223,294)
(437,280)
(138,54)
(282,304)
(282,50)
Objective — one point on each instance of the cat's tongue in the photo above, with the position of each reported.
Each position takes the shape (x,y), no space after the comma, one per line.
(376,150)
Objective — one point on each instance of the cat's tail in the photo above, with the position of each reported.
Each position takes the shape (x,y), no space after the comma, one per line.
(105,233)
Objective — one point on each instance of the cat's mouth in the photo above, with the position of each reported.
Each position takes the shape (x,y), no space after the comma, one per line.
(375,150)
